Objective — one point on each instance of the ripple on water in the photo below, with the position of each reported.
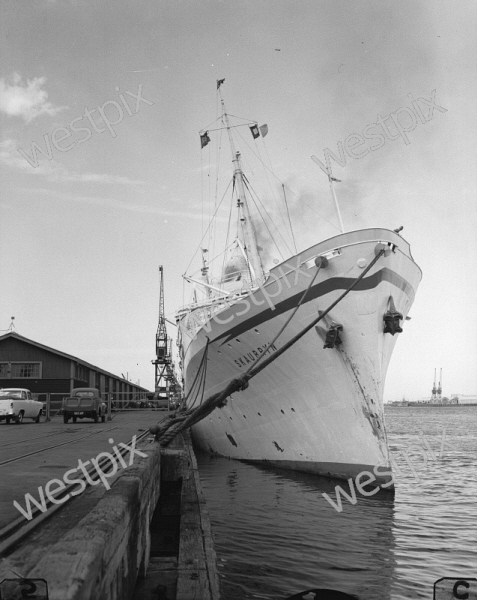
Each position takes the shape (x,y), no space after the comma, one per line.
(275,534)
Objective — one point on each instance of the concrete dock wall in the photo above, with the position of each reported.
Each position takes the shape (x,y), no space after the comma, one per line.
(99,557)
(98,546)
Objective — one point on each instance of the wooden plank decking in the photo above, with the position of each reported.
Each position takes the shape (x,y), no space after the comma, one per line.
(191,574)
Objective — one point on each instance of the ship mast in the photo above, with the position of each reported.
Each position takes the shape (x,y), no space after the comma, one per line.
(248,231)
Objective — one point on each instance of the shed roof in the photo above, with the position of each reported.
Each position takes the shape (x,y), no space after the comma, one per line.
(14,335)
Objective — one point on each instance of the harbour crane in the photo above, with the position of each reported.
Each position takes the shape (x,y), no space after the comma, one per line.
(165,377)
(434,389)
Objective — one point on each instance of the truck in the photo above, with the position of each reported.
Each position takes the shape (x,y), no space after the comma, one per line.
(84,403)
(17,404)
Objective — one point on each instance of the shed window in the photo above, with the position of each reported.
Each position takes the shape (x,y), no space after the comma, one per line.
(81,373)
(25,370)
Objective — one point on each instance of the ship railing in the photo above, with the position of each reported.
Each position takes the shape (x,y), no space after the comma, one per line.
(196,315)
(238,282)
(228,297)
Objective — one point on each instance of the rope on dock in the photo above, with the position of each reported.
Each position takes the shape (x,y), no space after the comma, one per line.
(166,432)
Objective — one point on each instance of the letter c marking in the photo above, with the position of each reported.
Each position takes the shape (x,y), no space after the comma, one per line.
(464,595)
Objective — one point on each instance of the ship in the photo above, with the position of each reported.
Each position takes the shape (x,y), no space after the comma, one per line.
(318,406)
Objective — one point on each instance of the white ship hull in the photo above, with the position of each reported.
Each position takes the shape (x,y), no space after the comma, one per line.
(313,409)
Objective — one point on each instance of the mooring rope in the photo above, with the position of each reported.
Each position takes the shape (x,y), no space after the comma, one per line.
(165,432)
(321,263)
(202,371)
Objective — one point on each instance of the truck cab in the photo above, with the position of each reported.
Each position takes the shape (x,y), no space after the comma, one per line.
(84,403)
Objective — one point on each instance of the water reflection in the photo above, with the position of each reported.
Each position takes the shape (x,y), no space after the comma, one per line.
(277,535)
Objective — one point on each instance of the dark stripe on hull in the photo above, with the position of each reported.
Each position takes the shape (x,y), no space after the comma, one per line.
(321,289)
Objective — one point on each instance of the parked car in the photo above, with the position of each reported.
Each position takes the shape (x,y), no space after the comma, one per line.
(84,403)
(17,404)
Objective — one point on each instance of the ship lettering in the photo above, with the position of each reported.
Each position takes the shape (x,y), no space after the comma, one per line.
(250,357)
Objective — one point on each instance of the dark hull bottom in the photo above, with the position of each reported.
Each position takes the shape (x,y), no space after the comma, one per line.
(334,470)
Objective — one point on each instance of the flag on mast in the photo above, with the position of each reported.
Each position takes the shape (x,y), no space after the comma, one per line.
(220,82)
(204,139)
(255,131)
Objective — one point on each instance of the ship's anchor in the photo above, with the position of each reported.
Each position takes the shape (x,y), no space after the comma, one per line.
(333,335)
(391,319)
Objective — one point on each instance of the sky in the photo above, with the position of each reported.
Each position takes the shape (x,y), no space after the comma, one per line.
(115,94)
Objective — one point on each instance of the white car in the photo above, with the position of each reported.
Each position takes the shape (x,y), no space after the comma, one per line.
(17,404)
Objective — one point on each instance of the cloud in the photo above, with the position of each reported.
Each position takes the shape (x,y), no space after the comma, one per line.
(27,101)
(116,204)
(95,178)
(54,171)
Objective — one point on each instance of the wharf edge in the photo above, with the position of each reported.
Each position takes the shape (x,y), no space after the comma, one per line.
(98,546)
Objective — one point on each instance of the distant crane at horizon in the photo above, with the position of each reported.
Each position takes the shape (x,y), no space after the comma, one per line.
(437,391)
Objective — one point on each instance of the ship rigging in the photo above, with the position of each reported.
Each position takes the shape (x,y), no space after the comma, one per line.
(315,332)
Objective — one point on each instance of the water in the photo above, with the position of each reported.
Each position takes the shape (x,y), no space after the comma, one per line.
(276,535)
